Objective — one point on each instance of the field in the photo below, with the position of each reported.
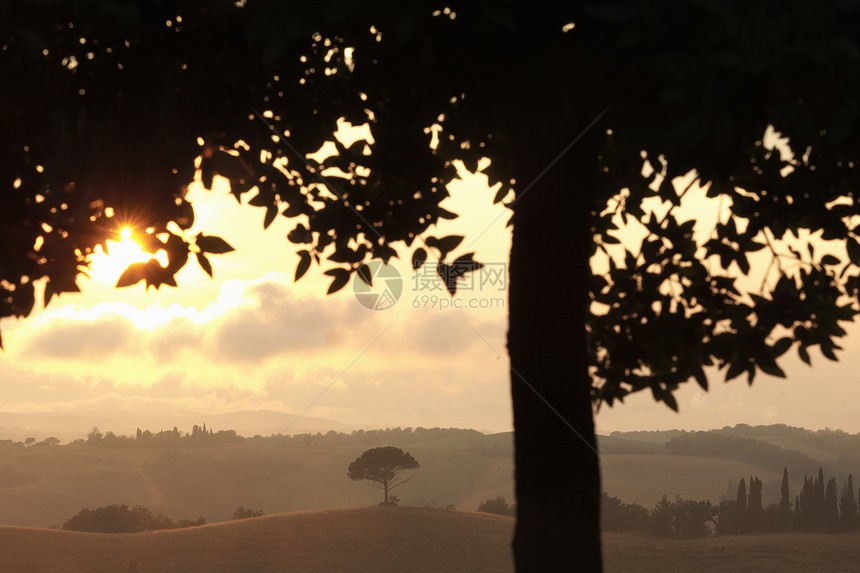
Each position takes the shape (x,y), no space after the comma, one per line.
(782,553)
(395,539)
(351,540)
(44,486)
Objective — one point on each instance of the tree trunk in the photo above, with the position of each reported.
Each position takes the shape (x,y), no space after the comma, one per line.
(557,467)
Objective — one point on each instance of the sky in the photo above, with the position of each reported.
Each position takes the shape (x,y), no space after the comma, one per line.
(252,339)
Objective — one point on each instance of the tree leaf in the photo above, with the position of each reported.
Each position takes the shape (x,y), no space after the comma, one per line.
(735,370)
(230,166)
(304,264)
(448,244)
(341,277)
(449,279)
(828,260)
(419,257)
(133,274)
(271,213)
(204,264)
(213,244)
(853,248)
(804,354)
(445,214)
(670,401)
(782,345)
(701,379)
(365,275)
(769,366)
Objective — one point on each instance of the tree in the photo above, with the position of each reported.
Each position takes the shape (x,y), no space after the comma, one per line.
(612,104)
(820,509)
(383,468)
(741,507)
(831,510)
(847,506)
(784,518)
(754,508)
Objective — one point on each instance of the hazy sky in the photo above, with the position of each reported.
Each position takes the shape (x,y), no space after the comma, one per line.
(253,339)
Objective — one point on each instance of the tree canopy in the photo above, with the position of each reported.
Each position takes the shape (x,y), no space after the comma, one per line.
(587,111)
(383,468)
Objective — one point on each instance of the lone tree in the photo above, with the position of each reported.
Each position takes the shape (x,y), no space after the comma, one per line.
(382,468)
(587,111)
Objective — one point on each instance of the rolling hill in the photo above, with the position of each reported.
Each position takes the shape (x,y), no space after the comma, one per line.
(379,539)
(395,539)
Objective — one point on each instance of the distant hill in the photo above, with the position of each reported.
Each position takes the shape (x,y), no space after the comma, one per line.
(68,426)
(402,539)
(703,459)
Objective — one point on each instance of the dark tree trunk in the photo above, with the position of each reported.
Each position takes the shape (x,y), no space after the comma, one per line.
(557,467)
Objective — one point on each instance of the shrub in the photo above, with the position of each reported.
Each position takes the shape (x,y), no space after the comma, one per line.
(498,505)
(616,515)
(123,519)
(242,513)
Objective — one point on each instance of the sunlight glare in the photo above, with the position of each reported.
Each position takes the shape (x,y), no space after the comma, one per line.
(106,268)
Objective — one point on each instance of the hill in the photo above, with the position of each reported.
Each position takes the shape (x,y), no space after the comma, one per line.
(395,539)
(379,539)
(40,486)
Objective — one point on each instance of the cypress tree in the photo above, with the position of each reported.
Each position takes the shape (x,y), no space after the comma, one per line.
(806,505)
(754,509)
(796,518)
(784,503)
(831,511)
(818,509)
(742,506)
(847,506)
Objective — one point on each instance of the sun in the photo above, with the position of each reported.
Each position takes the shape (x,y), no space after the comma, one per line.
(108,266)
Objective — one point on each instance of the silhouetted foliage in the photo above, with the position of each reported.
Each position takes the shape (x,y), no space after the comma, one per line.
(123,519)
(649,92)
(242,513)
(847,506)
(383,468)
(616,515)
(741,507)
(784,518)
(754,506)
(498,505)
(681,518)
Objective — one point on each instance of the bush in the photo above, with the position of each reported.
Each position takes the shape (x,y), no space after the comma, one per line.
(499,506)
(242,513)
(616,515)
(123,519)
(681,518)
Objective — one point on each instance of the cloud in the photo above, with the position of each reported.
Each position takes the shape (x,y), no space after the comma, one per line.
(84,339)
(279,322)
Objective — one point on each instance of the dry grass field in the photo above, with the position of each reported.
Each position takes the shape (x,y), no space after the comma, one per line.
(783,553)
(378,539)
(44,486)
(395,539)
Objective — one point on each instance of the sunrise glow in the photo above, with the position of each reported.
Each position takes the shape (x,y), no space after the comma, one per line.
(108,266)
